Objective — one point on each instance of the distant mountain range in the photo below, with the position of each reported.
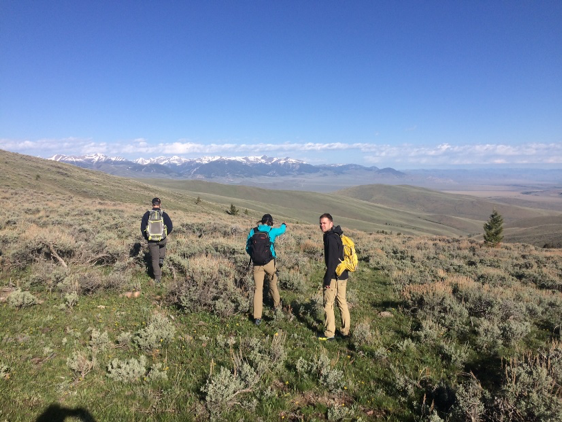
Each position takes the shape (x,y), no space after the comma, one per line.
(215,167)
(291,174)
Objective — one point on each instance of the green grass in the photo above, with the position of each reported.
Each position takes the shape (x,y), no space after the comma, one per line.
(39,339)
(437,321)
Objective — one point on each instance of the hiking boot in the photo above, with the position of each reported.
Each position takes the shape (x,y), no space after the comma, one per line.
(158,280)
(324,338)
(257,321)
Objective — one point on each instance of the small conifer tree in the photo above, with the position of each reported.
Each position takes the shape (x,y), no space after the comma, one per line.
(233,210)
(493,230)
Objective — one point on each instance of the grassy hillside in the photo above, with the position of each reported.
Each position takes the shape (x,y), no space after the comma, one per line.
(24,173)
(443,329)
(426,201)
(467,213)
(397,209)
(404,209)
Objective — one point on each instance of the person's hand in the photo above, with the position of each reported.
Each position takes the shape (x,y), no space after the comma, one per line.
(283,223)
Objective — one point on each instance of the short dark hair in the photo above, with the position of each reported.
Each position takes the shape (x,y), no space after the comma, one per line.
(328,216)
(267,219)
(156,201)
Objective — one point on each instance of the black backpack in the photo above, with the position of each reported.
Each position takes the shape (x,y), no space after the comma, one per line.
(260,247)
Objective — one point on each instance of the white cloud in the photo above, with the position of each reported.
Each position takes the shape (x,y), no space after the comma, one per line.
(532,153)
(388,155)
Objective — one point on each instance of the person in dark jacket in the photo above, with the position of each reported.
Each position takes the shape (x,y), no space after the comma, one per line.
(265,268)
(334,287)
(157,247)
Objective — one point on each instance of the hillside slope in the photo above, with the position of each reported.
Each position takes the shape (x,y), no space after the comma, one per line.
(540,227)
(405,209)
(426,201)
(22,172)
(370,208)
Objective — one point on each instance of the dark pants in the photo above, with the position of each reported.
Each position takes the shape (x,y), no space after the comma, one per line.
(157,252)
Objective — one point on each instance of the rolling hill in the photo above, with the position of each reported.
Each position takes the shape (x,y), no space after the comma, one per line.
(403,209)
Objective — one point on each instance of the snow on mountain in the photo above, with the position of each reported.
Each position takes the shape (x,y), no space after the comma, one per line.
(90,158)
(165,161)
(178,161)
(206,167)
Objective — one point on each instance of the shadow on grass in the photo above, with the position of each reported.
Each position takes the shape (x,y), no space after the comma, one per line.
(306,314)
(487,368)
(56,413)
(135,250)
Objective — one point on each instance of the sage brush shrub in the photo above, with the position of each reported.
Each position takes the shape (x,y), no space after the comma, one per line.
(429,331)
(292,280)
(126,371)
(295,261)
(71,299)
(455,354)
(495,277)
(362,335)
(470,404)
(19,299)
(489,336)
(156,373)
(531,388)
(264,355)
(125,339)
(435,301)
(513,331)
(211,286)
(321,369)
(224,390)
(98,341)
(403,384)
(339,413)
(81,363)
(4,371)
(157,333)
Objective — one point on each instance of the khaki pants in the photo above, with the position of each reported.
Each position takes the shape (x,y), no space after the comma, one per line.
(259,275)
(157,251)
(336,293)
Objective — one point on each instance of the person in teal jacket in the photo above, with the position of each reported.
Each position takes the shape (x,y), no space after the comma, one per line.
(261,249)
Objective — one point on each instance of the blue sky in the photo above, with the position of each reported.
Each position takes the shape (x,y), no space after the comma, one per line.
(403,84)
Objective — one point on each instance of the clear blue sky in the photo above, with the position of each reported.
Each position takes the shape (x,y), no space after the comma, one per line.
(403,84)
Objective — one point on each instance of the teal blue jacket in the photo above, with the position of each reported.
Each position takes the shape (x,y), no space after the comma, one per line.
(273,233)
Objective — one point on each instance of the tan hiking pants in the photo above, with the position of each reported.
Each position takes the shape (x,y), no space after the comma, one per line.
(336,293)
(260,272)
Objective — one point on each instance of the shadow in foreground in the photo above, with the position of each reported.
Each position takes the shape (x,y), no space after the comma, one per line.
(56,413)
